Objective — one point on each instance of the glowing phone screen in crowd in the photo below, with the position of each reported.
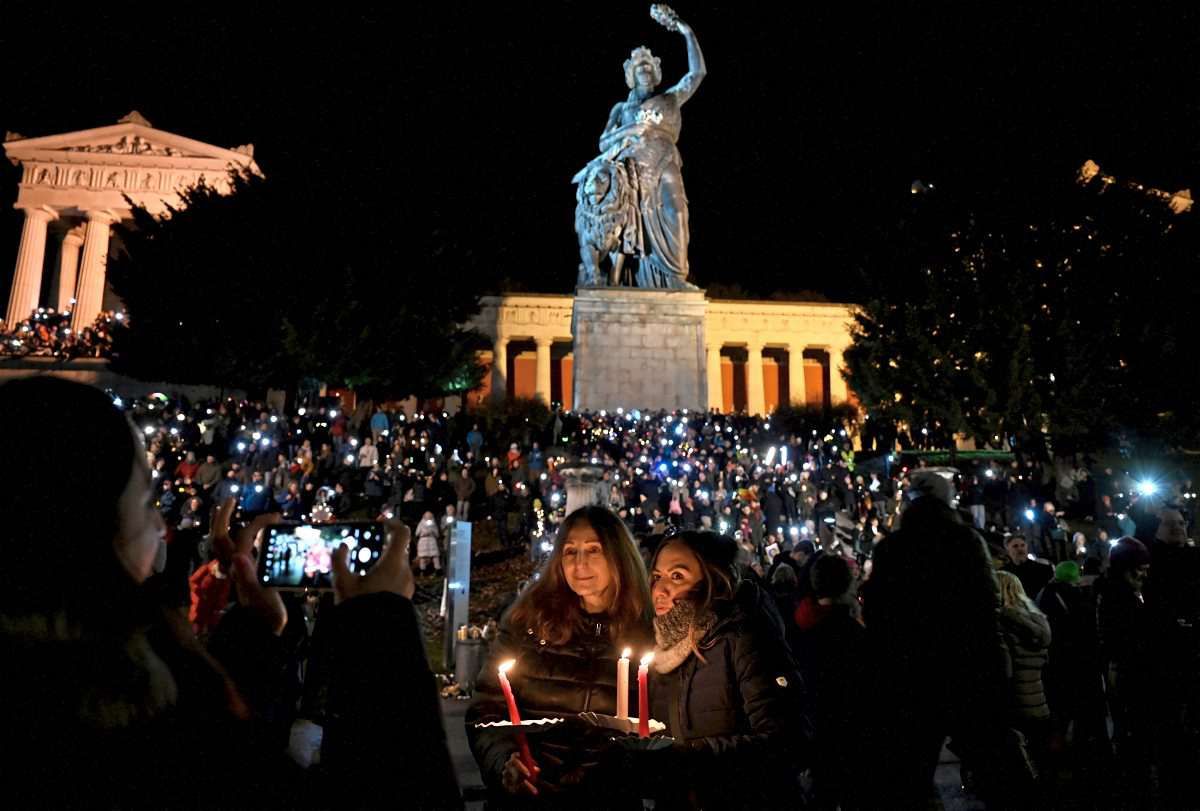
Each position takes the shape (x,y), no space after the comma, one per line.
(300,556)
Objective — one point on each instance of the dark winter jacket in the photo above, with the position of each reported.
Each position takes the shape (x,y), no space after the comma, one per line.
(1070,676)
(931,610)
(1173,606)
(1124,630)
(1033,574)
(383,716)
(740,713)
(149,720)
(554,681)
(772,506)
(831,652)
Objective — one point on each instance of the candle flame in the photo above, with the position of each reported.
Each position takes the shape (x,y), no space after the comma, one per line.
(625,654)
(507,666)
(648,658)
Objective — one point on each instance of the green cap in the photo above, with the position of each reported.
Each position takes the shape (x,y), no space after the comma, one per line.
(1067,572)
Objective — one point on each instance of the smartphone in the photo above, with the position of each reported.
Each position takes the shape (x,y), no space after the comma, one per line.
(300,556)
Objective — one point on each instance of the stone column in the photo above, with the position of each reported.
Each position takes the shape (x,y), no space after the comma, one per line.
(68,270)
(716,389)
(27,278)
(500,369)
(542,379)
(797,393)
(90,294)
(755,396)
(837,383)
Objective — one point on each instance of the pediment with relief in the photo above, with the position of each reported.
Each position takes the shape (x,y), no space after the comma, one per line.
(132,136)
(128,145)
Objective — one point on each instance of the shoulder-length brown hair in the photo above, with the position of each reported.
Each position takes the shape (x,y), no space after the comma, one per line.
(554,613)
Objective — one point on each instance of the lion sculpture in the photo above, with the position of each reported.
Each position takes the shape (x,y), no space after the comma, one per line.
(606,220)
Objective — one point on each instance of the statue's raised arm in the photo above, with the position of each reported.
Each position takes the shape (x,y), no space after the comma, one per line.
(668,19)
(630,199)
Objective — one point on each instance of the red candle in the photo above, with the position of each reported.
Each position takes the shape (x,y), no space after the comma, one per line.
(514,717)
(644,696)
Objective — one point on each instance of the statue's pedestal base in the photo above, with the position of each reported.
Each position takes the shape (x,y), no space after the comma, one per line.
(585,486)
(638,348)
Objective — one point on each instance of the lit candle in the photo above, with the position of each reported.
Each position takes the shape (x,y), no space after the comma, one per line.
(623,684)
(515,717)
(644,696)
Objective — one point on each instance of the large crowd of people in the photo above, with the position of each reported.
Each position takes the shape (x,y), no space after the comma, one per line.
(48,333)
(821,622)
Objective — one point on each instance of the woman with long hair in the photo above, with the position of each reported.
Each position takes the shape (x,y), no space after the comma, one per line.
(725,683)
(1027,635)
(565,632)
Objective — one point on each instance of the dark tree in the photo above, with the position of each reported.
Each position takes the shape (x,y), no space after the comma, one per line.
(258,288)
(1061,324)
(208,288)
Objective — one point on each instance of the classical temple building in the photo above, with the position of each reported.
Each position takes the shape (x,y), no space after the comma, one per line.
(73,187)
(759,354)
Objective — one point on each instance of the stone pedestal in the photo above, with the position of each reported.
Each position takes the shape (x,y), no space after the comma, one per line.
(638,348)
(585,486)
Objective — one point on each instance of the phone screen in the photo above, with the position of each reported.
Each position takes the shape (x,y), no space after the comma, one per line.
(298,556)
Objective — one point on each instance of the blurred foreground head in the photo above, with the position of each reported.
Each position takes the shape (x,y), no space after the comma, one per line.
(80,529)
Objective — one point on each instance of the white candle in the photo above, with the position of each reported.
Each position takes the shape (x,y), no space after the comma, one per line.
(623,684)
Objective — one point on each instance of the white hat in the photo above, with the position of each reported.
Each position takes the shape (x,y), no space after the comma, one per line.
(936,482)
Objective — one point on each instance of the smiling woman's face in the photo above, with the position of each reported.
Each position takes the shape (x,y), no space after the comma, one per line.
(586,568)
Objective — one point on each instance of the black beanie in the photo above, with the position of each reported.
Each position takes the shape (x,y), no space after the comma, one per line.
(719,550)
(1128,553)
(830,576)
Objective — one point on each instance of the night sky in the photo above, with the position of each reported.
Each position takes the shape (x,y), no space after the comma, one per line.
(800,146)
